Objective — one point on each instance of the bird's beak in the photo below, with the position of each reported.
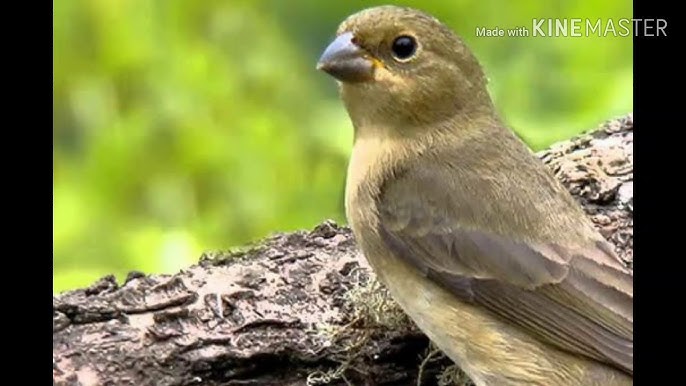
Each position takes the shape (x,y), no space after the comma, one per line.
(345,61)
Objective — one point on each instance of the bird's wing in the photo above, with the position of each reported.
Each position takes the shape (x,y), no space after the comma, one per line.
(577,298)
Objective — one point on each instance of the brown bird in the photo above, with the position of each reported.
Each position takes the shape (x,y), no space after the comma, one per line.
(475,239)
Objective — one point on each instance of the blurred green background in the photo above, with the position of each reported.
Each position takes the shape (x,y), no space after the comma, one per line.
(182,126)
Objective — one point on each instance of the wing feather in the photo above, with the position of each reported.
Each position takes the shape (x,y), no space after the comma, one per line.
(578,298)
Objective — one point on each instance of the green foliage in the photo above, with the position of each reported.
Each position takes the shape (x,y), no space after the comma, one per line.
(182,126)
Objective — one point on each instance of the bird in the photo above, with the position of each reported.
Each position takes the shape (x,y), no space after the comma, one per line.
(472,235)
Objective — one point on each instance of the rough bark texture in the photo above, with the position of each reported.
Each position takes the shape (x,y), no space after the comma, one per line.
(295,309)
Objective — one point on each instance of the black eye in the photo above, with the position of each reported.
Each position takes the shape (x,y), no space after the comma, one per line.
(404,47)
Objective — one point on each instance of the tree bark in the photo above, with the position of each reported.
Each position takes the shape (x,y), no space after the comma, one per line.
(295,309)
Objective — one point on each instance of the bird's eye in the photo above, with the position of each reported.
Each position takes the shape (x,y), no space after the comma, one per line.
(404,47)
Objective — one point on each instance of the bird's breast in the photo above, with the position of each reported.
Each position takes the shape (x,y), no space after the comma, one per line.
(368,164)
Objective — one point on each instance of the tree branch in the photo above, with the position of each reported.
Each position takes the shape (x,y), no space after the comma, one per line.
(295,309)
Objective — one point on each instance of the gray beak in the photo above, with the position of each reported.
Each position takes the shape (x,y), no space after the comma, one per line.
(345,61)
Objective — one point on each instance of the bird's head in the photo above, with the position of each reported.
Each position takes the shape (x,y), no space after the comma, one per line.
(402,67)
